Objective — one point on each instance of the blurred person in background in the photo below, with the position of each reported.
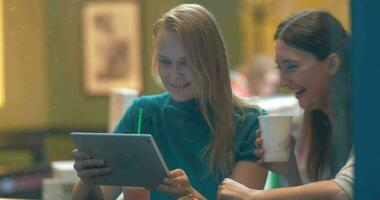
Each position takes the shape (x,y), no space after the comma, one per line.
(256,77)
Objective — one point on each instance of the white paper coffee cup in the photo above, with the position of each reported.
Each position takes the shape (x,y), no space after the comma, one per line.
(276,133)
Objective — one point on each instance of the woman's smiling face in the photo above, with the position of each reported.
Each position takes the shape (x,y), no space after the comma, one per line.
(172,66)
(305,75)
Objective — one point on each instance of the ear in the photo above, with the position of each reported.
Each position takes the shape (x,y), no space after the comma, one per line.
(333,63)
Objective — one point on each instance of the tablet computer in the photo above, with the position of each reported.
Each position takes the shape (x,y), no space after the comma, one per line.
(134,159)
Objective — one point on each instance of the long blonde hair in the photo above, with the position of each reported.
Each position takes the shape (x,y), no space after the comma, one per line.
(206,56)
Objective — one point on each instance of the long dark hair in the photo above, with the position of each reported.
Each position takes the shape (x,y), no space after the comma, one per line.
(319,33)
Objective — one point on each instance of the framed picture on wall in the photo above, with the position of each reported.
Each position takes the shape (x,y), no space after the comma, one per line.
(112,47)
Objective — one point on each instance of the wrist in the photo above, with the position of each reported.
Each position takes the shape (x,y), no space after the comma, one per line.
(83,190)
(86,185)
(257,195)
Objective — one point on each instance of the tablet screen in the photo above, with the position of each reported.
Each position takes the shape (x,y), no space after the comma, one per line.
(134,158)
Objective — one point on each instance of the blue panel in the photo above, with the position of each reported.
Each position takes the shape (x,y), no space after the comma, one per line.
(366,96)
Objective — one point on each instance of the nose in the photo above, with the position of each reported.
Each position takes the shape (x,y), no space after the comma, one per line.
(284,79)
(177,73)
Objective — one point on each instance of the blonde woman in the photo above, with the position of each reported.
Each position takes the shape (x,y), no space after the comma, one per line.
(203,132)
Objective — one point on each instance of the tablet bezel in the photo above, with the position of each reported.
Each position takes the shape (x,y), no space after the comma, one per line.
(118,150)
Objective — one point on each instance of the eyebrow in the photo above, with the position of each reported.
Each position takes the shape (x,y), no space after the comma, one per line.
(286,61)
(183,58)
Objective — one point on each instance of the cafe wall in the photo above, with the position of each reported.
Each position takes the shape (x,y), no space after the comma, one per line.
(261,17)
(69,106)
(24,66)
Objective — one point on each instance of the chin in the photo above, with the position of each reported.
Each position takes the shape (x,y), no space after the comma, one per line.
(304,104)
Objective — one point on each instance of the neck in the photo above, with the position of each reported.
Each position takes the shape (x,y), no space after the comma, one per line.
(327,110)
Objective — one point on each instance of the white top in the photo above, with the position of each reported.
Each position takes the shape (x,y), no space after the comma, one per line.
(345,177)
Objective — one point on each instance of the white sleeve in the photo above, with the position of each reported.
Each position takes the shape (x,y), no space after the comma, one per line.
(345,177)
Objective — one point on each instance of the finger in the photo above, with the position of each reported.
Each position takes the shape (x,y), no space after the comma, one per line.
(226,180)
(258,133)
(219,191)
(176,172)
(259,153)
(88,164)
(170,182)
(169,190)
(259,142)
(93,173)
(220,195)
(78,155)
(177,180)
(261,162)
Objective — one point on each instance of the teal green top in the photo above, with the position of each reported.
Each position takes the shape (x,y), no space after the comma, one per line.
(181,133)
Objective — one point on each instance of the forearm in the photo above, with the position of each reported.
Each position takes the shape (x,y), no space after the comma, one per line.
(322,190)
(82,191)
(249,174)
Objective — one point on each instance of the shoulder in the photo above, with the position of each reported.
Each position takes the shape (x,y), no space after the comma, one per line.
(249,112)
(254,111)
(246,126)
(247,119)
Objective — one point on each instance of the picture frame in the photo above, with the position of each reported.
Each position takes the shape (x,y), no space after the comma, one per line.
(111,46)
